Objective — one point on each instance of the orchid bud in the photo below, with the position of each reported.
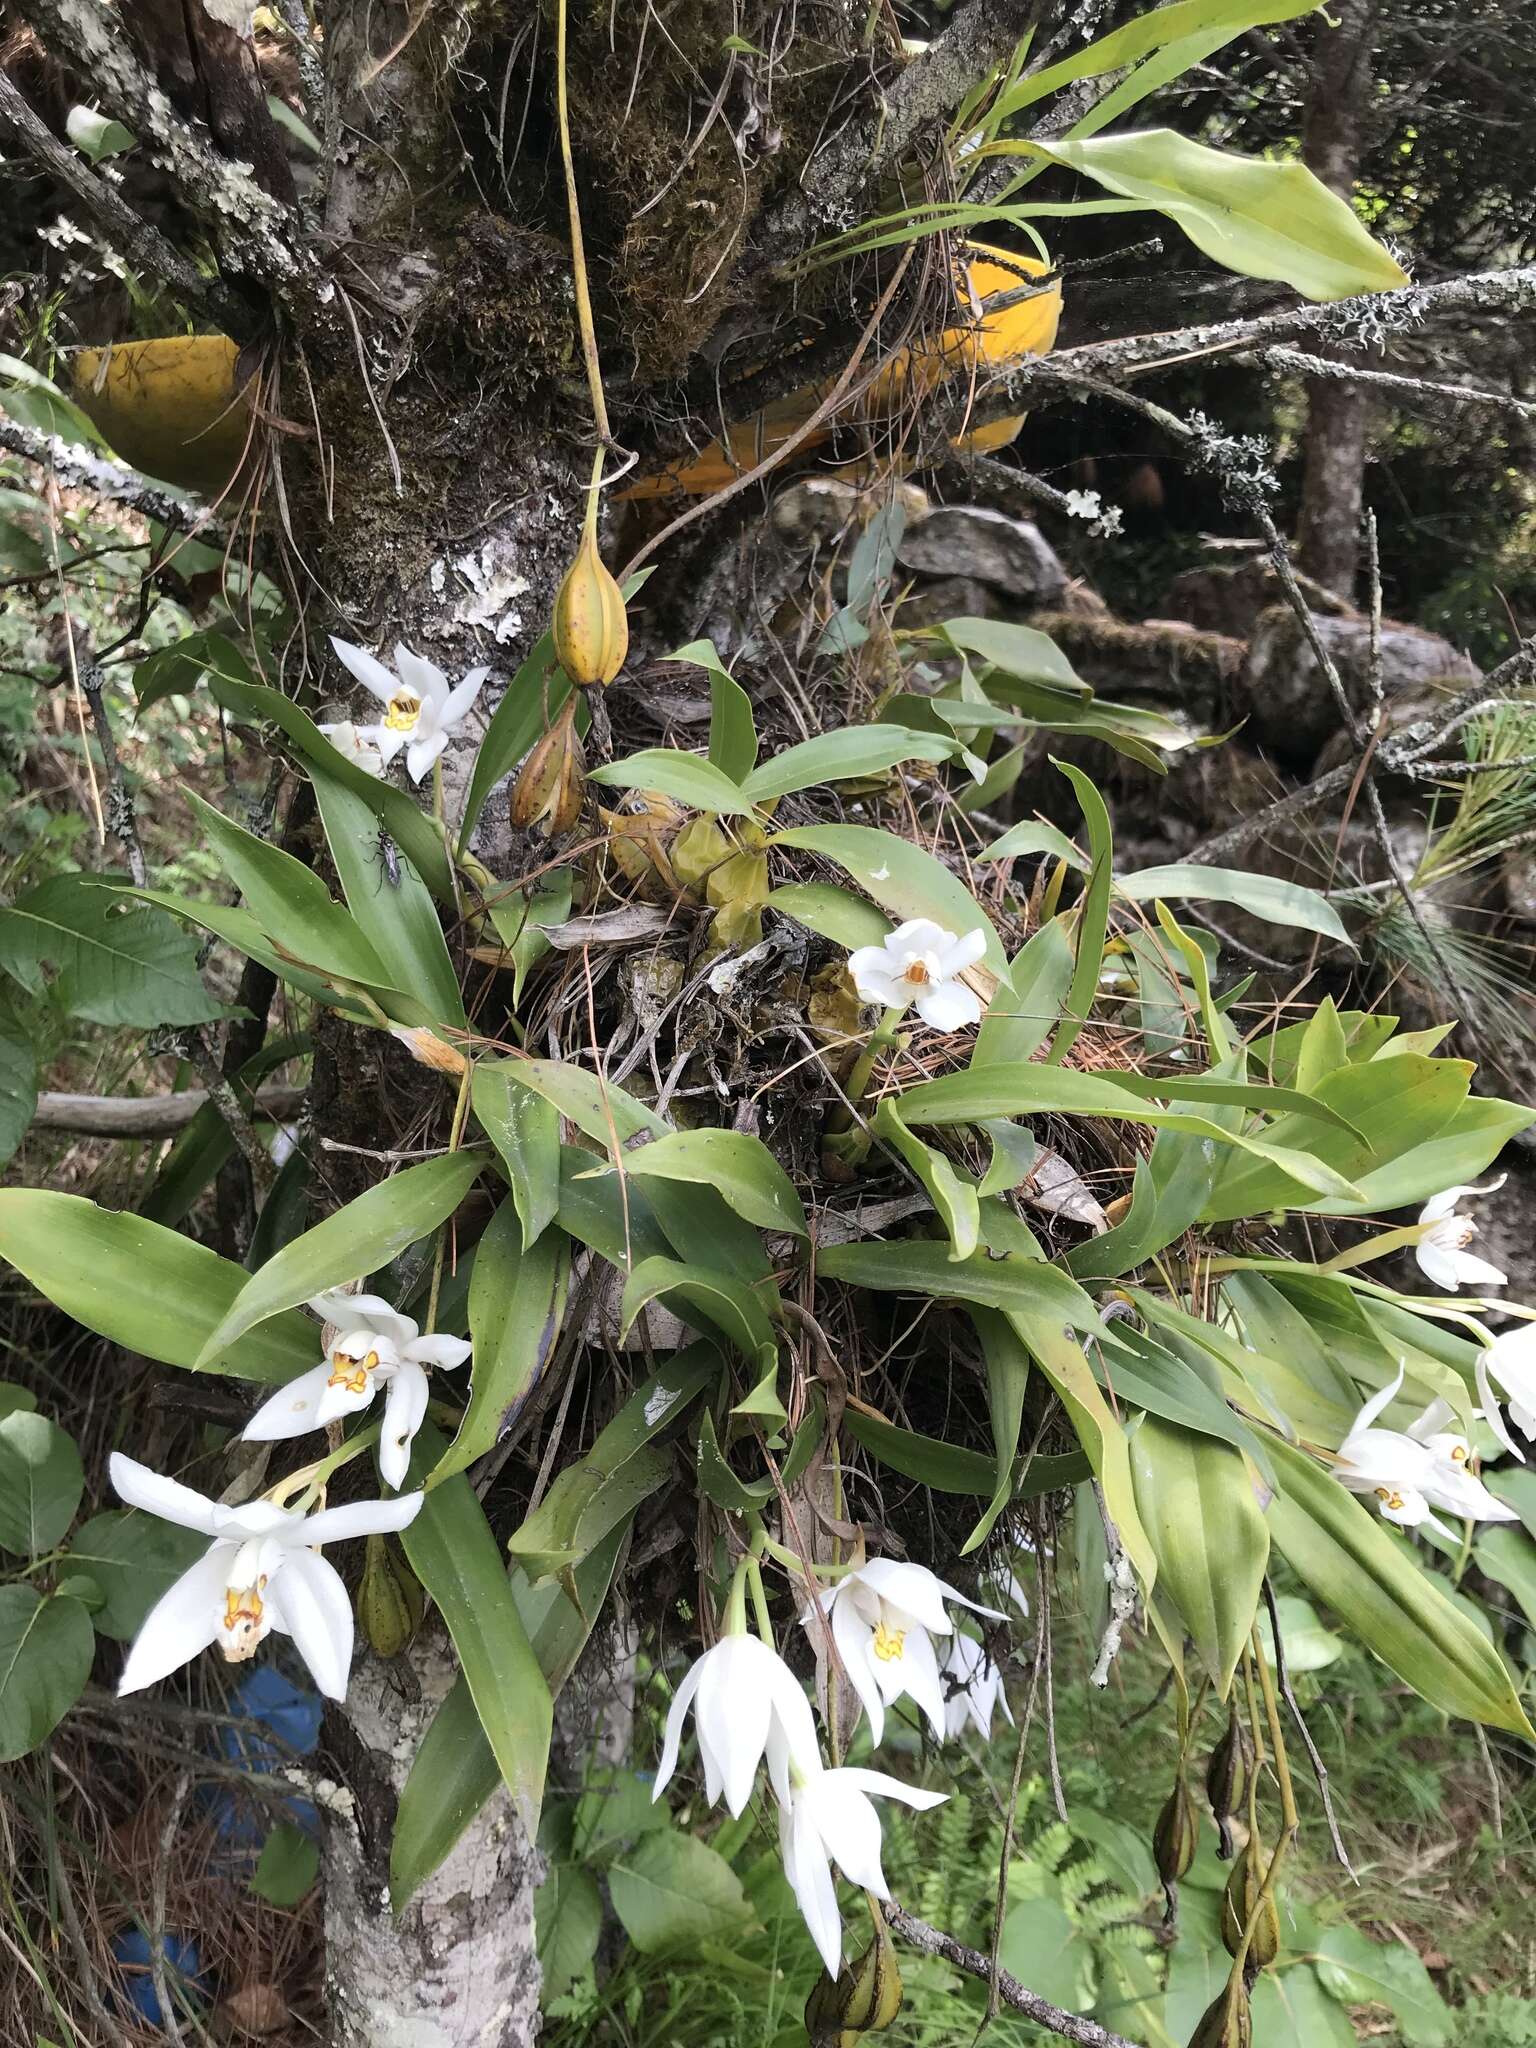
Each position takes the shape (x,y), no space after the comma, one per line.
(865,1996)
(1226,1779)
(553,781)
(591,631)
(1227,2022)
(1177,1834)
(390,1602)
(1245,1892)
(428,1050)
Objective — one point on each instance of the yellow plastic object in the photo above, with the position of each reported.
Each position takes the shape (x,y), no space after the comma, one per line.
(168,407)
(990,343)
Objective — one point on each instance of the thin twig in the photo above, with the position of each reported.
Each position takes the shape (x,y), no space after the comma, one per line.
(932,1941)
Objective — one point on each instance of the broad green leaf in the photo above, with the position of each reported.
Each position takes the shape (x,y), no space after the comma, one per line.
(18,1082)
(516,1306)
(1179,1388)
(737,1165)
(178,669)
(407,824)
(1508,1556)
(832,912)
(945,1467)
(567,1920)
(1007,1378)
(133,1558)
(1323,1048)
(291,903)
(454,1771)
(717,1301)
(374,1228)
(144,1287)
(1029,1001)
(954,1196)
(46,1646)
(1358,1971)
(453,1553)
(840,756)
(904,879)
(1092,915)
(1020,651)
(95,135)
(239,929)
(1197,1504)
(288,1865)
(1262,896)
(687,778)
(732,732)
(397,917)
(612,1217)
(115,963)
(1014,1157)
(673,1891)
(525,1129)
(1261,219)
(1031,837)
(1348,1559)
(41,1482)
(595,1106)
(981,1281)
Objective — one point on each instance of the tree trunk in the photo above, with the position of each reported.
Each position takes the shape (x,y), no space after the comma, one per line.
(1339,414)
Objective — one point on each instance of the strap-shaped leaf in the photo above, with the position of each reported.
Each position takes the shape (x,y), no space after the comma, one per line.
(904,879)
(737,1165)
(516,1306)
(980,1281)
(525,1129)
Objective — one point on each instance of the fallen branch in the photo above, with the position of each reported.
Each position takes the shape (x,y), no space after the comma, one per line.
(78,470)
(150,1116)
(934,1942)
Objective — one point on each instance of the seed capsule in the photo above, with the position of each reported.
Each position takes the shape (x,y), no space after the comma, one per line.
(389,1599)
(1177,1834)
(591,630)
(553,781)
(865,1997)
(1226,1778)
(1224,2023)
(1242,1894)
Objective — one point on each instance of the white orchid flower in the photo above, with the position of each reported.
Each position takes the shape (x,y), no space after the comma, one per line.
(263,1571)
(355,744)
(1410,1472)
(1510,1361)
(421,712)
(830,1817)
(973,1687)
(745,1700)
(1442,1250)
(918,966)
(368,1344)
(884,1617)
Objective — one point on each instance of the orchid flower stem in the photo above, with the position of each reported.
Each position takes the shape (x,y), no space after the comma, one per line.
(584,320)
(759,1601)
(883,1037)
(736,1601)
(310,1480)
(1375,1248)
(1290,1819)
(801,1567)
(455,1139)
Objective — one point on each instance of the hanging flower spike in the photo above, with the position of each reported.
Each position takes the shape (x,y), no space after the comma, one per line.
(1509,1360)
(1413,1471)
(1442,1250)
(263,1571)
(745,1700)
(884,1617)
(918,967)
(421,712)
(830,1817)
(354,744)
(973,1686)
(368,1345)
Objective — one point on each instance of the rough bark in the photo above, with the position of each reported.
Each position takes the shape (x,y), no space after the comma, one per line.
(1339,414)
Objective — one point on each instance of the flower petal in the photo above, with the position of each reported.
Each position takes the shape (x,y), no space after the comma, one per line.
(1492,1413)
(446,1352)
(918,935)
(1474,1272)
(291,1410)
(963,952)
(1436,1262)
(369,1312)
(340,1400)
(387,740)
(732,1715)
(404,1406)
(423,676)
(367,668)
(849,1826)
(361,1518)
(420,754)
(948,1006)
(852,1636)
(911,1587)
(143,1488)
(461,698)
(672,1739)
(887,1787)
(310,1603)
(1379,1401)
(182,1622)
(810,1877)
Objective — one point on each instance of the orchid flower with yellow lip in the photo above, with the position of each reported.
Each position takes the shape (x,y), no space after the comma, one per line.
(1442,1252)
(1509,1362)
(918,966)
(368,1345)
(422,711)
(745,1701)
(973,1686)
(884,1616)
(262,1571)
(1410,1472)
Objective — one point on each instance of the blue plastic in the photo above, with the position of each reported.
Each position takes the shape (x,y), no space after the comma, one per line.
(292,1714)
(183,1965)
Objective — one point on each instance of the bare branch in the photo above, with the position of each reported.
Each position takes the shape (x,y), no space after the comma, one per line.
(149,1116)
(933,1942)
(79,470)
(1420,388)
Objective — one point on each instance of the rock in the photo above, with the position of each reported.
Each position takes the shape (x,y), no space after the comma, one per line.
(950,597)
(815,509)
(1185,671)
(1290,707)
(968,540)
(1227,599)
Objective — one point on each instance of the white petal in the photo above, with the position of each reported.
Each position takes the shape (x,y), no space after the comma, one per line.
(948,1006)
(439,1351)
(370,1312)
(1424,1428)
(388,741)
(732,1714)
(1439,1264)
(810,1876)
(461,698)
(424,677)
(918,935)
(1381,1400)
(794,1720)
(893,1788)
(291,1410)
(367,668)
(918,1666)
(420,754)
(1492,1412)
(361,1518)
(1438,1207)
(340,1400)
(672,1739)
(963,952)
(964,1599)
(852,1636)
(168,1498)
(311,1604)
(911,1587)
(1473,1271)
(850,1827)
(404,1406)
(182,1622)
